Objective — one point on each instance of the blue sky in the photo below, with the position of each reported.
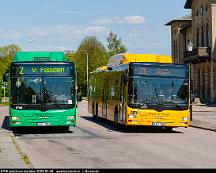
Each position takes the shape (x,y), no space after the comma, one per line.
(57,25)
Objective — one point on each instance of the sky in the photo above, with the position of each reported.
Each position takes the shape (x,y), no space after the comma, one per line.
(58,25)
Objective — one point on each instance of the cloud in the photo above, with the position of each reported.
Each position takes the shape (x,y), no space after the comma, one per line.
(132,20)
(60,32)
(97,29)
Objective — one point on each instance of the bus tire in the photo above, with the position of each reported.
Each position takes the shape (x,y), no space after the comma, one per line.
(95,114)
(64,128)
(116,116)
(168,128)
(93,109)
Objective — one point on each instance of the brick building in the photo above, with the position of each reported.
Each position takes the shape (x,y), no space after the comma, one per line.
(193,40)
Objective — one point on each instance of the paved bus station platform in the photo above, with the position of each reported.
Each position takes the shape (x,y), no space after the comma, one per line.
(203,117)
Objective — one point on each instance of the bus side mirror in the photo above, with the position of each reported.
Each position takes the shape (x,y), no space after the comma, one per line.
(125,78)
(5,77)
(110,68)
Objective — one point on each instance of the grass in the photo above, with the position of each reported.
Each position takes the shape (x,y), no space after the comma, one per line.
(5,104)
(24,157)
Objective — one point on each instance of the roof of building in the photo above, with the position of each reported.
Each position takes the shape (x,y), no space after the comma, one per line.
(188,3)
(184,27)
(187,17)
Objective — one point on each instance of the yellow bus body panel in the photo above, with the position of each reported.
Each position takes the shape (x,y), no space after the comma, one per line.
(168,118)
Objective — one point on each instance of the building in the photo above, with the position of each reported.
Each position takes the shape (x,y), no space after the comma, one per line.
(193,40)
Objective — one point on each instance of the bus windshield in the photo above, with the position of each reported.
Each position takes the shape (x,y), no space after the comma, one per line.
(58,90)
(145,92)
(32,90)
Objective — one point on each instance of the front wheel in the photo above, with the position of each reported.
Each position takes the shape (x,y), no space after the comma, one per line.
(168,128)
(95,114)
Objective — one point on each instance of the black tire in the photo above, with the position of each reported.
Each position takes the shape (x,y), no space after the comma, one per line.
(168,128)
(116,116)
(95,114)
(64,128)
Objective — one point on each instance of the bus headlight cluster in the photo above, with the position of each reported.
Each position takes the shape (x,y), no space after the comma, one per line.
(185,119)
(133,114)
(71,117)
(15,118)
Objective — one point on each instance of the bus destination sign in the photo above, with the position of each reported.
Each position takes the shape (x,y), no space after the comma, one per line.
(42,70)
(154,70)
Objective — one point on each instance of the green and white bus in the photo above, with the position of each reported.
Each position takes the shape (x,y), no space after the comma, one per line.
(43,91)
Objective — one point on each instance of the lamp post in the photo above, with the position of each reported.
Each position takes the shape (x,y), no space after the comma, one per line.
(190,48)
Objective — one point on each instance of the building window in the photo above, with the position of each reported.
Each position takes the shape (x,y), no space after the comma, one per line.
(207,35)
(197,37)
(202,37)
(197,12)
(175,53)
(201,10)
(206,7)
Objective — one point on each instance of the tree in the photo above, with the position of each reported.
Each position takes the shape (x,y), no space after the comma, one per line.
(97,56)
(115,45)
(6,55)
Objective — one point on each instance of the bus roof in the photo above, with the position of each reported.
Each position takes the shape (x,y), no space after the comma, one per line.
(39,56)
(101,68)
(127,58)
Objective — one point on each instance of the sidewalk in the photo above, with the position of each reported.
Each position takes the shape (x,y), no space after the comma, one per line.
(204,117)
(10,155)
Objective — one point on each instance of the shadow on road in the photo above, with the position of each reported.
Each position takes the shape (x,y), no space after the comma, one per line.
(40,130)
(123,129)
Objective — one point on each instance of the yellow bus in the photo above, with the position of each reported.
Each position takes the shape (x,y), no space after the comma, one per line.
(141,90)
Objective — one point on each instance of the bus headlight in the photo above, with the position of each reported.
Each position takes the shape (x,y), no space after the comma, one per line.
(185,119)
(132,116)
(15,118)
(71,117)
(134,112)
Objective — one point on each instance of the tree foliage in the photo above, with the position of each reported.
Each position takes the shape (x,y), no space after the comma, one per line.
(115,45)
(97,57)
(6,55)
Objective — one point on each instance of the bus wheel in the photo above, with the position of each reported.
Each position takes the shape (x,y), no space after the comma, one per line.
(64,128)
(116,116)
(95,113)
(168,128)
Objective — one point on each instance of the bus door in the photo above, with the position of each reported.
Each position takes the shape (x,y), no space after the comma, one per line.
(123,101)
(104,100)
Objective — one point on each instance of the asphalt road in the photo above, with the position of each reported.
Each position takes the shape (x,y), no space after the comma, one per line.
(100,145)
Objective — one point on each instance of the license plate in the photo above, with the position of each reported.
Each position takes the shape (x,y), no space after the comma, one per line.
(158,124)
(43,124)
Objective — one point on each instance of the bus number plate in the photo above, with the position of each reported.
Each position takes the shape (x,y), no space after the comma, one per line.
(158,124)
(43,124)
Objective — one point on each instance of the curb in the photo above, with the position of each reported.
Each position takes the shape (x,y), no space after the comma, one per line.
(200,126)
(24,156)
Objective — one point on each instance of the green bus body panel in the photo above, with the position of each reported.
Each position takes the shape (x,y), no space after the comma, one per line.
(39,56)
(33,117)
